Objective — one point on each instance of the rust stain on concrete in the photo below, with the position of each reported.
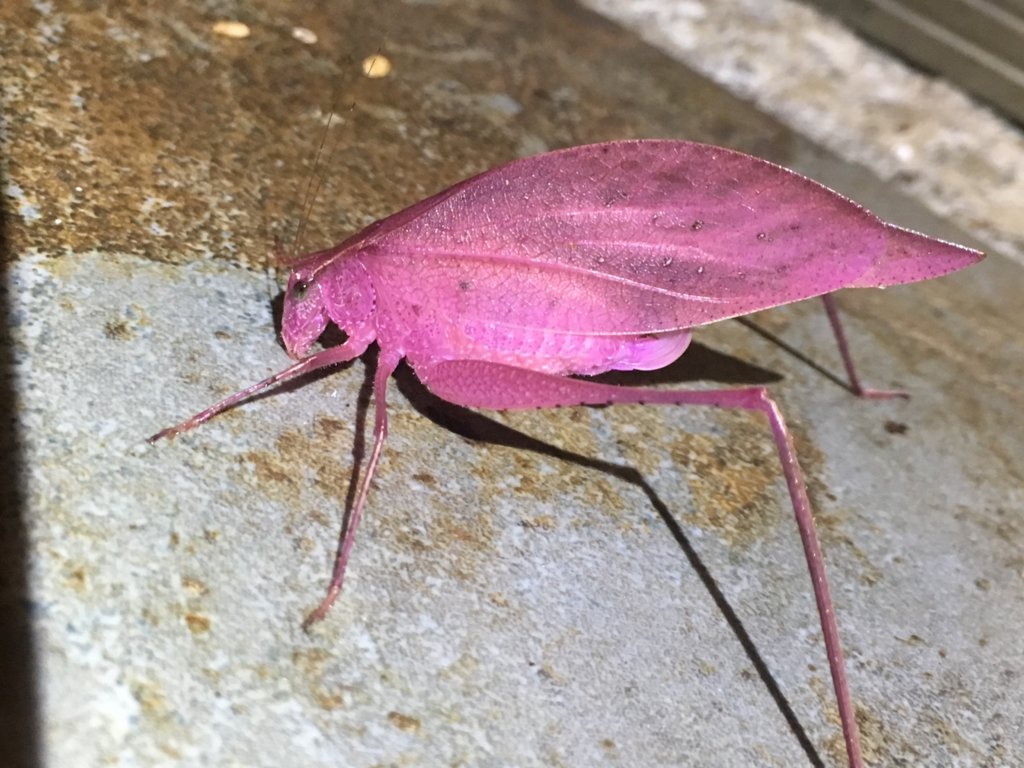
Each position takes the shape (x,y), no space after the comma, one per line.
(734,478)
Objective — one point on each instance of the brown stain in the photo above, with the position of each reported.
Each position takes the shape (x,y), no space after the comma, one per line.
(475,532)
(118,329)
(443,533)
(551,479)
(542,522)
(197,623)
(566,429)
(460,541)
(733,477)
(498,599)
(912,640)
(955,696)
(172,752)
(905,741)
(306,544)
(548,672)
(307,456)
(953,739)
(706,668)
(162,721)
(601,493)
(875,739)
(194,545)
(78,580)
(195,587)
(873,735)
(403,722)
(310,661)
(270,471)
(1002,523)
(151,699)
(122,327)
(895,427)
(312,664)
(329,701)
(263,672)
(531,483)
(100,155)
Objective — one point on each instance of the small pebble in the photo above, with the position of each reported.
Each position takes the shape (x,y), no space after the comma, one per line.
(376,66)
(233,29)
(303,35)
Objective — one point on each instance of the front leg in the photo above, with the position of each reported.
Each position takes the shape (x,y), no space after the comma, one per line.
(350,350)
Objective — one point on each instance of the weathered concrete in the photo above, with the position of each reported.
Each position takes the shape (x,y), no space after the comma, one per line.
(563,588)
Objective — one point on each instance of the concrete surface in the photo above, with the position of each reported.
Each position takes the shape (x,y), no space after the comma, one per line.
(587,587)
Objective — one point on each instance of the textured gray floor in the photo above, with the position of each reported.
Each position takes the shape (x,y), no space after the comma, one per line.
(585,587)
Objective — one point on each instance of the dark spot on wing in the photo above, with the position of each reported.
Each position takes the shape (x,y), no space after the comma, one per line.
(614,196)
(673,177)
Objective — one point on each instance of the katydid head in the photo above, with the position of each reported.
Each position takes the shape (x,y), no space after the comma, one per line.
(325,287)
(305,316)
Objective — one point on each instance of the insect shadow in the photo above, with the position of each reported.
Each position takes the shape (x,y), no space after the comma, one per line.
(792,351)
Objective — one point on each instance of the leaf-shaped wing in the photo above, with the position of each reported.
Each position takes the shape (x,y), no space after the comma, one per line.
(639,237)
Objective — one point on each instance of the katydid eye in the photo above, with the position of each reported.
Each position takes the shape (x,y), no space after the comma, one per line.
(300,289)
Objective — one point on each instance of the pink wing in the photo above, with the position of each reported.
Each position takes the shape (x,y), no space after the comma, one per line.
(639,237)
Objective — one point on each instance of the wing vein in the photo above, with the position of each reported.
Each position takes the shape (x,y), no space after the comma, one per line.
(499,258)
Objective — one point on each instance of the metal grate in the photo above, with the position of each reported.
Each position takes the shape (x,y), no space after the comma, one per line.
(978,44)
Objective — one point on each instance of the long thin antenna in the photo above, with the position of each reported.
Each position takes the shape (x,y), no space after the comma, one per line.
(313,184)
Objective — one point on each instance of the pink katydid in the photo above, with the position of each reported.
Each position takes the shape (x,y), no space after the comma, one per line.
(585,260)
